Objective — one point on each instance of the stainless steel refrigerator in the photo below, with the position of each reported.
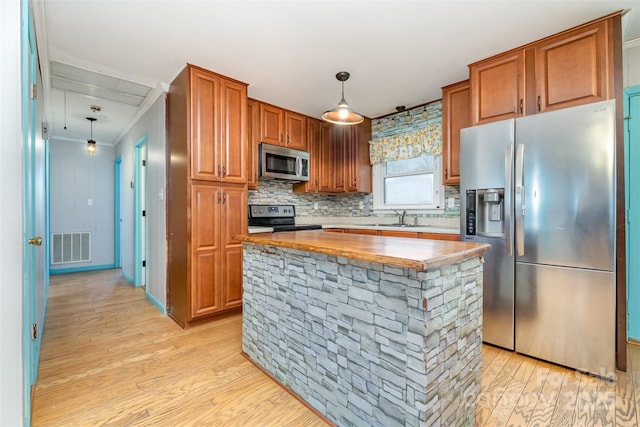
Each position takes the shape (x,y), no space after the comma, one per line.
(540,189)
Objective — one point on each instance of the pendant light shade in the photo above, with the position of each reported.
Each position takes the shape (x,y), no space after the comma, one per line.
(91,144)
(342,114)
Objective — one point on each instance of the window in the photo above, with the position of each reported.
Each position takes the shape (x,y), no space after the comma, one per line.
(409,184)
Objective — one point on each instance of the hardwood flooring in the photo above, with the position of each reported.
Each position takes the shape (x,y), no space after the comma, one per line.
(110,358)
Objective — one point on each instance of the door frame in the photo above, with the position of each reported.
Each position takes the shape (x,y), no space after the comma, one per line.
(633,310)
(139,233)
(29,77)
(117,217)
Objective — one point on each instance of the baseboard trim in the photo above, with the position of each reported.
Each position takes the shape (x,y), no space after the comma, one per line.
(156,303)
(81,269)
(633,341)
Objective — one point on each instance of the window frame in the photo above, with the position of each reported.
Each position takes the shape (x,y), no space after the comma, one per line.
(378,172)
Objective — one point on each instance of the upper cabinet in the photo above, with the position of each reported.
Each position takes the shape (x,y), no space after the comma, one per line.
(218,108)
(497,87)
(455,116)
(574,68)
(567,69)
(282,127)
(339,159)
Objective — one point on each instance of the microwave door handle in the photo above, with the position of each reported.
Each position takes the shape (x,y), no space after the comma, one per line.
(298,166)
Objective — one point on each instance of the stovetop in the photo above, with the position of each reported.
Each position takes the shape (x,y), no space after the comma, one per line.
(278,217)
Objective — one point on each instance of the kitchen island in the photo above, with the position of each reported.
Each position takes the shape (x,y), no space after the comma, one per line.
(368,330)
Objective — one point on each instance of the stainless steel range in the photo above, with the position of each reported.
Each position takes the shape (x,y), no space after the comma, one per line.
(278,217)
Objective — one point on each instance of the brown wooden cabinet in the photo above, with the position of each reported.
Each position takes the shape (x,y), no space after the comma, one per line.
(282,127)
(271,124)
(497,87)
(218,135)
(342,153)
(396,233)
(206,194)
(313,147)
(566,69)
(295,130)
(573,68)
(455,116)
(216,266)
(253,142)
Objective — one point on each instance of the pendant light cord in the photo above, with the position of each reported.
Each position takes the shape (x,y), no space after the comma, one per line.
(65,110)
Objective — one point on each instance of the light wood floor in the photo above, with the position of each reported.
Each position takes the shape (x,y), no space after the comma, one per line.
(110,358)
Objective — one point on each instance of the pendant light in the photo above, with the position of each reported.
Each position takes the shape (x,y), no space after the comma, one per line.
(91,144)
(342,114)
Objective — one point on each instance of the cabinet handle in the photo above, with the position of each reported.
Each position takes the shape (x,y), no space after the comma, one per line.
(281,138)
(224,198)
(224,171)
(288,139)
(219,197)
(521,106)
(255,177)
(446,172)
(539,103)
(219,173)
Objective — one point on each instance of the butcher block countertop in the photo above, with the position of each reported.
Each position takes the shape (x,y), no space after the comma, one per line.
(419,254)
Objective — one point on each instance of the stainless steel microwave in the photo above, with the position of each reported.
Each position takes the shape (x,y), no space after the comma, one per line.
(283,163)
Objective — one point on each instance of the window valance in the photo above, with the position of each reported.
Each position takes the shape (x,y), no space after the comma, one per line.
(427,140)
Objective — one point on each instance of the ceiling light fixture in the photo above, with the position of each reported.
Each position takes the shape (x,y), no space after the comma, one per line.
(342,114)
(91,144)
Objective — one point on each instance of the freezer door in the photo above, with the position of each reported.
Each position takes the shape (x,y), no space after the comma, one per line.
(485,151)
(564,189)
(566,316)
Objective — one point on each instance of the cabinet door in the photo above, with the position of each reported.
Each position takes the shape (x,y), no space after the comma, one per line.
(205,249)
(233,131)
(439,236)
(340,135)
(313,146)
(497,88)
(271,124)
(326,158)
(234,221)
(295,130)
(572,68)
(455,116)
(253,137)
(205,156)
(351,163)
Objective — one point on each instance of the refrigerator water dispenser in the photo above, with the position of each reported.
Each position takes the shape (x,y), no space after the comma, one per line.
(490,212)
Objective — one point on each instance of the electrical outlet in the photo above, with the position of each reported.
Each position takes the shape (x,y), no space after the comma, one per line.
(361,205)
(89,202)
(451,202)
(315,206)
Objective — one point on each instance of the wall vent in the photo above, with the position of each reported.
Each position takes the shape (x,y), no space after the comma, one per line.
(70,247)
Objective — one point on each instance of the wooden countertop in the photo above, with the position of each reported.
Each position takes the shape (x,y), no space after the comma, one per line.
(418,254)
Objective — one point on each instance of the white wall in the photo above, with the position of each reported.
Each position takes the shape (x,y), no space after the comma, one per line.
(631,63)
(152,124)
(11,238)
(75,178)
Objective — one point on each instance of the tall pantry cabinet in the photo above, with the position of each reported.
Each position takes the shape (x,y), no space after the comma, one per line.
(206,194)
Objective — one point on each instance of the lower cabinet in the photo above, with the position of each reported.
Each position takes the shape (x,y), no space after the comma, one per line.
(213,283)
(395,233)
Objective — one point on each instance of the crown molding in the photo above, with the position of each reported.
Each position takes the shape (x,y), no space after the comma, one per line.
(631,43)
(148,102)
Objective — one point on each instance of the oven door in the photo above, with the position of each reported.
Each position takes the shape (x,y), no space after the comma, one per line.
(283,163)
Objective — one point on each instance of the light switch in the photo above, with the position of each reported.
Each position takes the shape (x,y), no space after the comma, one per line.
(451,202)
(89,202)
(161,194)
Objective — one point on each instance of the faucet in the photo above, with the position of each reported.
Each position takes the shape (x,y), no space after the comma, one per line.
(401,216)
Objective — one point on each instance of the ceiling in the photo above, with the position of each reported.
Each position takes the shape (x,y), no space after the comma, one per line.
(110,53)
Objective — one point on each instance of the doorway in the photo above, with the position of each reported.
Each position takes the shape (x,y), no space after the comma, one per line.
(632,195)
(140,212)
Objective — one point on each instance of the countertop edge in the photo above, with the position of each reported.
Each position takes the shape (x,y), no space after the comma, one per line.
(420,265)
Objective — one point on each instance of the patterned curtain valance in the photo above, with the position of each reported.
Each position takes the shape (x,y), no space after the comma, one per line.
(408,145)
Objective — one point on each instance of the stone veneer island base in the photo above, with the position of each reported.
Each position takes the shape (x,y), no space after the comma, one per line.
(367,343)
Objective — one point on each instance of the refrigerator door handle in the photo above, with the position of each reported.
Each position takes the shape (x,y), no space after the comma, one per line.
(508,168)
(519,202)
